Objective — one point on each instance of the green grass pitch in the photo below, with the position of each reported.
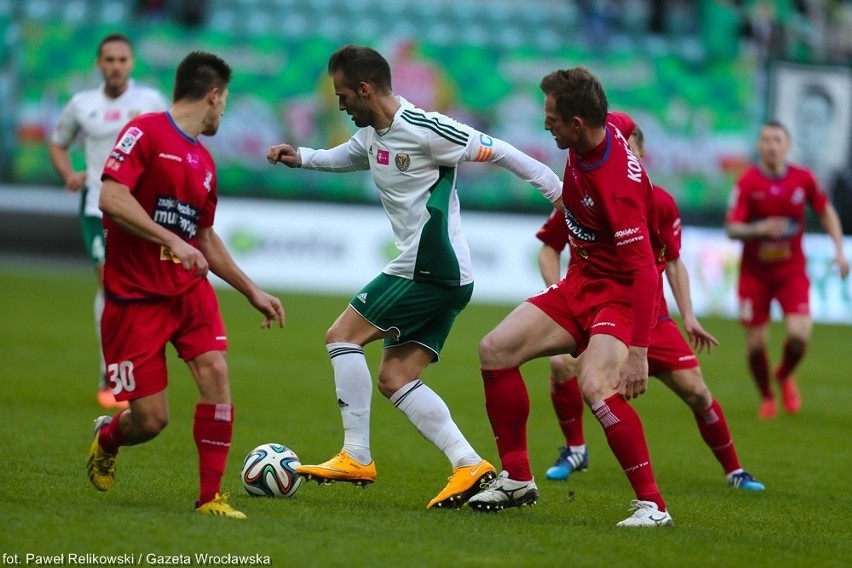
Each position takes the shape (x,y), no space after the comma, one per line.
(283,392)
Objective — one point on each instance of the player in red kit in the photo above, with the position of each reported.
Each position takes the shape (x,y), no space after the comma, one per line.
(159,202)
(604,307)
(670,357)
(767,212)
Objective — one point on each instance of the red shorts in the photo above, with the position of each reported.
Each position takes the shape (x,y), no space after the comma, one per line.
(135,334)
(669,351)
(587,307)
(756,293)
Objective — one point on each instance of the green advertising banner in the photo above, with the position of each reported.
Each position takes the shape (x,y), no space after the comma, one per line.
(699,119)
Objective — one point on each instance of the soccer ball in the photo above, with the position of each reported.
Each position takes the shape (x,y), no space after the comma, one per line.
(270,470)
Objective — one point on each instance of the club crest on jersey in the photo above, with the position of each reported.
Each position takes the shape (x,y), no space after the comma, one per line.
(587,201)
(129,140)
(798,196)
(402,161)
(208,179)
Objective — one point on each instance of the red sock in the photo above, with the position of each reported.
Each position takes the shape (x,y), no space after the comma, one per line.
(758,362)
(794,350)
(110,438)
(212,429)
(507,403)
(568,404)
(626,438)
(714,430)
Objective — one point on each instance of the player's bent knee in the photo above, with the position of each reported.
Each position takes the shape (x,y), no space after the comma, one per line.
(492,355)
(689,385)
(698,400)
(563,367)
(595,389)
(211,374)
(218,369)
(389,385)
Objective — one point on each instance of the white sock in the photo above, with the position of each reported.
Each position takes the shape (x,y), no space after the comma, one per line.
(577,449)
(99,312)
(354,391)
(430,415)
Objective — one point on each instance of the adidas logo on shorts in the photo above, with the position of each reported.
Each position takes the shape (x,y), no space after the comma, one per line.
(363,297)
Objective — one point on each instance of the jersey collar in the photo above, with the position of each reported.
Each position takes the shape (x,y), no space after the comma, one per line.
(606,144)
(186,136)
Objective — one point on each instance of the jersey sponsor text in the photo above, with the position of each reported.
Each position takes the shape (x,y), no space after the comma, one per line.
(177,216)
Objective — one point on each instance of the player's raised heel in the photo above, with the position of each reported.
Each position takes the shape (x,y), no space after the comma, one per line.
(464,483)
(341,467)
(100,464)
(567,463)
(502,493)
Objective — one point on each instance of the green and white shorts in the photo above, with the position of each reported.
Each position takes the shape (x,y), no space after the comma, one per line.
(419,312)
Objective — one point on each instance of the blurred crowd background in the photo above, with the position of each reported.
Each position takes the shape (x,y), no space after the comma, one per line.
(699,76)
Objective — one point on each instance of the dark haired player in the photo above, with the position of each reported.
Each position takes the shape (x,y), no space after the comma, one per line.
(159,201)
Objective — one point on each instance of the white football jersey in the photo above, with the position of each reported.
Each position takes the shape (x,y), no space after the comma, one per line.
(414,165)
(100,119)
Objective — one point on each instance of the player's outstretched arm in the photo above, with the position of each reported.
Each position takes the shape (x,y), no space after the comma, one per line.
(347,157)
(222,265)
(525,167)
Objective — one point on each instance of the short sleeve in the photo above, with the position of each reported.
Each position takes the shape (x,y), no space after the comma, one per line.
(554,232)
(129,156)
(67,127)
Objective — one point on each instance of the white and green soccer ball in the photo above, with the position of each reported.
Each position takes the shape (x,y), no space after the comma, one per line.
(269,470)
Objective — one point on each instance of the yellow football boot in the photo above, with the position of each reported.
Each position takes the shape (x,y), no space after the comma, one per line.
(340,468)
(464,483)
(219,507)
(101,465)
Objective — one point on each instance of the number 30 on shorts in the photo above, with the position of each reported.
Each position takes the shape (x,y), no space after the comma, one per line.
(120,376)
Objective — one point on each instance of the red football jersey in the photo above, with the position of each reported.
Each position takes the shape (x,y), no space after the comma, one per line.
(609,206)
(554,232)
(757,196)
(173,177)
(666,244)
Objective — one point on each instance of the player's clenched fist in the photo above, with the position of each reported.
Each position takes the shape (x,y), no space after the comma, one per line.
(285,154)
